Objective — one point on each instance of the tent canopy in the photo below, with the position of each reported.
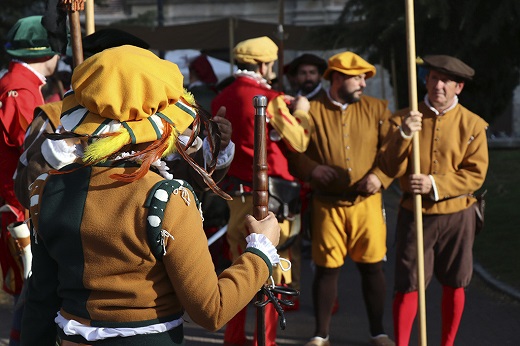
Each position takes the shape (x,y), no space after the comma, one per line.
(224,33)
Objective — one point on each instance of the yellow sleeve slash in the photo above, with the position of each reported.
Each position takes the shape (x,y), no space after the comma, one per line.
(293,128)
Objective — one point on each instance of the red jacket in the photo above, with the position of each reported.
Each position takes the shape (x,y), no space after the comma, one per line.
(238,100)
(19,95)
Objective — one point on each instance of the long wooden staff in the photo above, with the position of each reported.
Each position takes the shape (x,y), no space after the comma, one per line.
(90,23)
(281,48)
(260,191)
(73,8)
(412,92)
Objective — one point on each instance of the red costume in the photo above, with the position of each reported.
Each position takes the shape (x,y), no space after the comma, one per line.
(283,129)
(19,95)
(238,99)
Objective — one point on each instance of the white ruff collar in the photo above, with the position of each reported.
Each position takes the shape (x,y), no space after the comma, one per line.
(254,76)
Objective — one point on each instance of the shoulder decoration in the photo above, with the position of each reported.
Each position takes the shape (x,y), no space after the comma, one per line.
(156,203)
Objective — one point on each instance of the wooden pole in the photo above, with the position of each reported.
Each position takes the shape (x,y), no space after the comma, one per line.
(90,24)
(160,23)
(231,33)
(260,190)
(281,48)
(412,92)
(73,8)
(75,37)
(394,78)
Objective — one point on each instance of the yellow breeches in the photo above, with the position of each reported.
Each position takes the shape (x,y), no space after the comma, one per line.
(358,231)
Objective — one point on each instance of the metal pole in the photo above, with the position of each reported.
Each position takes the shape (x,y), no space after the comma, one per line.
(412,89)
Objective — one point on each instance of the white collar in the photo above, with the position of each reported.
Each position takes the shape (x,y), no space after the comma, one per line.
(343,106)
(427,102)
(254,76)
(312,93)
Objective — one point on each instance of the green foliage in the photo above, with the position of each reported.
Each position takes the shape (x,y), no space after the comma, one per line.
(483,34)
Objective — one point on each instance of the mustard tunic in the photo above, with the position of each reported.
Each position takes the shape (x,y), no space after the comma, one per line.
(453,150)
(94,259)
(348,140)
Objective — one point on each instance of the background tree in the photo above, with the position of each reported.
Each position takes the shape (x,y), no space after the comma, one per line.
(485,34)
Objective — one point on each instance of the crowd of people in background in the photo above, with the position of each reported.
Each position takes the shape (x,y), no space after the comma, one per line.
(105,166)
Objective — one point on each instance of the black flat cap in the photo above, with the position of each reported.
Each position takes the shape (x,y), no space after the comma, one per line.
(449,65)
(307,59)
(109,38)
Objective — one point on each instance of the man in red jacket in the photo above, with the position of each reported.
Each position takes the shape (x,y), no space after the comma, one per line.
(286,131)
(20,93)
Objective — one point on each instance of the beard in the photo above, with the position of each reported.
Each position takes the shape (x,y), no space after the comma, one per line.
(308,86)
(350,97)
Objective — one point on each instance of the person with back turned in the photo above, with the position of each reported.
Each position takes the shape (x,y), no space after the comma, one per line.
(32,61)
(286,131)
(117,205)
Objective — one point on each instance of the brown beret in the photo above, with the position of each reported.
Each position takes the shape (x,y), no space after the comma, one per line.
(307,59)
(448,65)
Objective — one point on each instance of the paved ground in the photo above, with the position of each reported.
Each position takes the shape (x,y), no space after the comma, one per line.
(490,318)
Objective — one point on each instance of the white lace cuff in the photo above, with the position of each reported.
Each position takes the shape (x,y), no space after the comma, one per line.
(59,153)
(262,243)
(224,157)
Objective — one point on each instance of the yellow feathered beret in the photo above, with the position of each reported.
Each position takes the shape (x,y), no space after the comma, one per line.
(126,87)
(255,50)
(350,64)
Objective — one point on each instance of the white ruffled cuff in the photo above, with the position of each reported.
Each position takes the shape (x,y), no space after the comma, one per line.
(59,153)
(434,193)
(262,243)
(224,157)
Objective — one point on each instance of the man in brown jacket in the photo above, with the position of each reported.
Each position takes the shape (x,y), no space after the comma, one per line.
(453,165)
(347,130)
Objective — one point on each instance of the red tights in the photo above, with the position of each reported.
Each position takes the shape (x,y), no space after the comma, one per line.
(235,329)
(405,310)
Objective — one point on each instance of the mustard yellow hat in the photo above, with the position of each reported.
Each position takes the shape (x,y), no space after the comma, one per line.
(127,89)
(350,64)
(255,50)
